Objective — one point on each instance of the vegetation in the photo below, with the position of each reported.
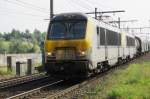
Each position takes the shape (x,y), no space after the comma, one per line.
(130,83)
(21,42)
(3,71)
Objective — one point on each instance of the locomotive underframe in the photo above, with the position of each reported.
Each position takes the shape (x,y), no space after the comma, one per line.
(68,68)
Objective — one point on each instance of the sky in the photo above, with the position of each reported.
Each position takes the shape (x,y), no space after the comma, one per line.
(31,14)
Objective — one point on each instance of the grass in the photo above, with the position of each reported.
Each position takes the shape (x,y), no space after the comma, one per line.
(134,83)
(130,83)
(3,71)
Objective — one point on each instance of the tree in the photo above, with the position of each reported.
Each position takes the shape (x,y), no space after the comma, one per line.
(38,36)
(5,47)
(27,31)
(21,42)
(27,35)
(15,34)
(6,36)
(35,48)
(14,46)
(1,37)
(43,36)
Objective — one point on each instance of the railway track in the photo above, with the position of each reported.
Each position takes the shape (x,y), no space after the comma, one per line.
(20,80)
(49,91)
(25,87)
(34,91)
(55,90)
(59,90)
(82,87)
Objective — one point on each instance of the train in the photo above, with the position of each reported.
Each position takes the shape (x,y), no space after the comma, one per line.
(78,45)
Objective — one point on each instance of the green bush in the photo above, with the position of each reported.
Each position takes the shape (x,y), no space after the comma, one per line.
(21,42)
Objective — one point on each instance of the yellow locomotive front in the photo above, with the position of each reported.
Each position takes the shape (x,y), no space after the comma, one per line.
(67,45)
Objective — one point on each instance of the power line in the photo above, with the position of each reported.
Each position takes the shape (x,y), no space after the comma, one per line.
(29,19)
(25,6)
(69,3)
(98,4)
(125,21)
(77,5)
(87,3)
(137,28)
(31,5)
(81,5)
(106,12)
(20,13)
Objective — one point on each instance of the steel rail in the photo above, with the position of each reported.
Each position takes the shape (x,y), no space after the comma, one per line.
(21,80)
(63,92)
(31,92)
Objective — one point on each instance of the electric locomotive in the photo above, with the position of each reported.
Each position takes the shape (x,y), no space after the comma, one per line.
(67,45)
(77,45)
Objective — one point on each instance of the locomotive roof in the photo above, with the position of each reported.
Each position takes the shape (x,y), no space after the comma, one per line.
(80,16)
(69,16)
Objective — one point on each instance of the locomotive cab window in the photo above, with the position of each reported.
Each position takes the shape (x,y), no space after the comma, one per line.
(67,30)
(57,30)
(77,30)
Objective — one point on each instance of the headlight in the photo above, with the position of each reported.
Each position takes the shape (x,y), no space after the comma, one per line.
(82,53)
(49,54)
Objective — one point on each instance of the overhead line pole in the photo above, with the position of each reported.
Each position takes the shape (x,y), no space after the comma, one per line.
(122,21)
(119,24)
(119,21)
(140,28)
(137,28)
(105,12)
(95,13)
(51,9)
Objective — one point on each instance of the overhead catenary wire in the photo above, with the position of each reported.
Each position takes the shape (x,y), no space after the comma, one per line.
(26,6)
(25,14)
(70,4)
(89,5)
(28,19)
(98,4)
(20,13)
(82,5)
